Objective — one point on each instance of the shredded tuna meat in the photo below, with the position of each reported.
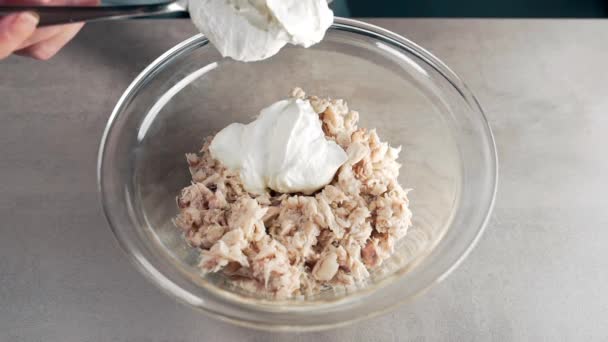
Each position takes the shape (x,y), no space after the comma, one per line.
(290,244)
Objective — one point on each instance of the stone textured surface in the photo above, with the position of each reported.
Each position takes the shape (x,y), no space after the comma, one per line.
(538,273)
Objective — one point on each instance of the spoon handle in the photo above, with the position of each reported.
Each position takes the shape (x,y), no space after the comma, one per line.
(53,15)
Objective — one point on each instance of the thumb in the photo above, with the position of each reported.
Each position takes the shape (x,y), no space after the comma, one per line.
(14,29)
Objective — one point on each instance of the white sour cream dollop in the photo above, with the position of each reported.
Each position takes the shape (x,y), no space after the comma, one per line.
(251,30)
(284,149)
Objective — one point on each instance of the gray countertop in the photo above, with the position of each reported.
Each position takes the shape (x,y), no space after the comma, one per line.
(540,272)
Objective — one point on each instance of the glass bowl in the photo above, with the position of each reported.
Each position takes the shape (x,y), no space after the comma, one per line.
(411,97)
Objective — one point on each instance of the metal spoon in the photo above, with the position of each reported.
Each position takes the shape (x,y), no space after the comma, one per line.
(53,15)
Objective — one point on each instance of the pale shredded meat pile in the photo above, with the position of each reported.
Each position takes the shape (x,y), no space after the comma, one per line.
(291,244)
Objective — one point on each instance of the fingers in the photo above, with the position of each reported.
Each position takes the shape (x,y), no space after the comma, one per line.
(47,41)
(18,34)
(47,48)
(42,34)
(14,30)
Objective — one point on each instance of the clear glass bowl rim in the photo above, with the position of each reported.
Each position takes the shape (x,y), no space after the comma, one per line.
(174,290)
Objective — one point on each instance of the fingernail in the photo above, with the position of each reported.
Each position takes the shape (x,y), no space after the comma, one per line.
(27,19)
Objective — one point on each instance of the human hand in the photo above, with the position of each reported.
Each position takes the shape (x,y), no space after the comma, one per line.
(19,35)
